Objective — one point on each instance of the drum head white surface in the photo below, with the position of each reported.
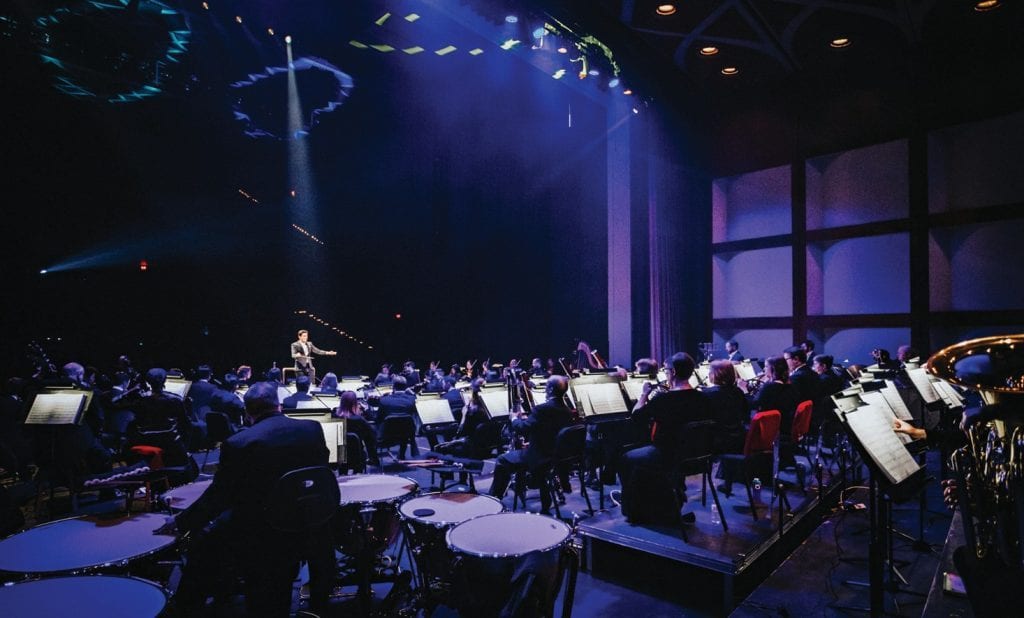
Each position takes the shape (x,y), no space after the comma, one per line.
(89,596)
(180,498)
(371,488)
(507,535)
(83,542)
(445,509)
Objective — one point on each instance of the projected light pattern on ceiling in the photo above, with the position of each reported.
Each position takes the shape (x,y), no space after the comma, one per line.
(256,96)
(328,325)
(119,51)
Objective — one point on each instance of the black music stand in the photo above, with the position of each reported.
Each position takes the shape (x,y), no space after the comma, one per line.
(893,476)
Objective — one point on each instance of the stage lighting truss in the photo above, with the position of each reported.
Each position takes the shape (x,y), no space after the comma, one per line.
(120,51)
(245,107)
(314,317)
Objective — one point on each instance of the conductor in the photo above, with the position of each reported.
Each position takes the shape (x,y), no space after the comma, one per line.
(303,351)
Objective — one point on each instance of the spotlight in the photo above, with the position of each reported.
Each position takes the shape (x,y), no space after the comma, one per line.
(709,50)
(398,316)
(512,19)
(288,39)
(986,5)
(665,9)
(563,50)
(840,42)
(730,71)
(238,18)
(593,72)
(270,31)
(43,271)
(143,265)
(206,6)
(614,82)
(292,192)
(627,92)
(636,111)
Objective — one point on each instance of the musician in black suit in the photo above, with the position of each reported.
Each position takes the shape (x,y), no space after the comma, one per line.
(541,429)
(303,351)
(251,462)
(301,394)
(801,376)
(399,402)
(732,349)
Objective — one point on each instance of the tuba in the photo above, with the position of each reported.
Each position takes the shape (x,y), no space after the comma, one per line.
(990,468)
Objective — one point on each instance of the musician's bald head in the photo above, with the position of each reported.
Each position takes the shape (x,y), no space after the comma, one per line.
(557,386)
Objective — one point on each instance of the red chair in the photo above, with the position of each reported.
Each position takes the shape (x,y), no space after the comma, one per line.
(758,458)
(802,421)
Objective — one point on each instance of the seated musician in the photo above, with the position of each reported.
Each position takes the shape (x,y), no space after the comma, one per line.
(251,462)
(159,409)
(399,401)
(541,429)
(730,406)
(329,384)
(467,444)
(667,414)
(384,377)
(537,369)
(302,384)
(349,408)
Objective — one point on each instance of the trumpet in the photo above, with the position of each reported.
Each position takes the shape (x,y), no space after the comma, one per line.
(990,468)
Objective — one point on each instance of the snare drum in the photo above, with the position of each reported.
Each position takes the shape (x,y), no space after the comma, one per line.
(369,506)
(428,518)
(90,596)
(180,498)
(82,544)
(494,552)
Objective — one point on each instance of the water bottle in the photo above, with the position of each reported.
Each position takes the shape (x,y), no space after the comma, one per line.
(715,519)
(757,489)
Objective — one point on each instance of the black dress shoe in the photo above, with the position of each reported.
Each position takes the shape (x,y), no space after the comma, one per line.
(689,518)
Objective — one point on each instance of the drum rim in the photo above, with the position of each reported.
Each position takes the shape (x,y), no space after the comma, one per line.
(448,537)
(402,498)
(89,569)
(441,524)
(163,497)
(163,591)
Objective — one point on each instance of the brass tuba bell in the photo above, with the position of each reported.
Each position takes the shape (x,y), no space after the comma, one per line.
(990,468)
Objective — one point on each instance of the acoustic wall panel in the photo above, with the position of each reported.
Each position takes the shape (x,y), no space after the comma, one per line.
(858,186)
(756,283)
(751,205)
(755,343)
(863,275)
(854,345)
(977,267)
(976,164)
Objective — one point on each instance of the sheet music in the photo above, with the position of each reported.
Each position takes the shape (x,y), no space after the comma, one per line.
(694,382)
(496,400)
(923,383)
(950,396)
(603,398)
(745,371)
(334,436)
(178,387)
(56,409)
(892,395)
(634,388)
(540,395)
(874,432)
(434,411)
(879,401)
(702,371)
(847,401)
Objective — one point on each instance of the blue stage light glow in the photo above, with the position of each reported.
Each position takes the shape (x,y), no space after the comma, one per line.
(539,33)
(512,19)
(84,69)
(341,90)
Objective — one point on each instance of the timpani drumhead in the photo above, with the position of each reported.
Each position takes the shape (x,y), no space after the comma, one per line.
(374,488)
(507,535)
(85,542)
(443,509)
(87,596)
(180,498)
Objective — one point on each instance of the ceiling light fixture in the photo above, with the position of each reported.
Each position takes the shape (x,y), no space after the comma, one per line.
(840,42)
(987,5)
(730,71)
(627,92)
(665,9)
(709,50)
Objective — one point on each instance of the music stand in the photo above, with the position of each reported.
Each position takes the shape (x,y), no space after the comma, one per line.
(495,400)
(893,476)
(599,396)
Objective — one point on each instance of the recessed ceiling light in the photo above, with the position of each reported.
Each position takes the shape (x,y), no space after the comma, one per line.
(987,5)
(840,42)
(665,9)
(709,50)
(627,92)
(730,71)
